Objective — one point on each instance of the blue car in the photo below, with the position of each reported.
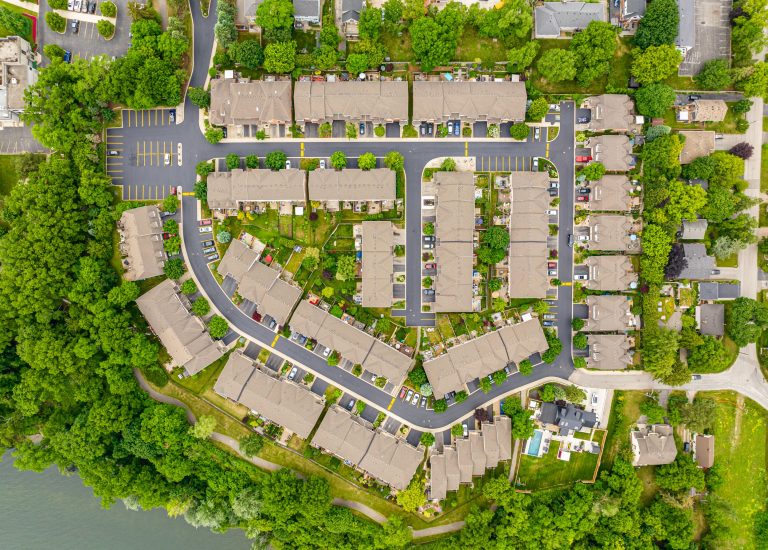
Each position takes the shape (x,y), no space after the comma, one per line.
(456,129)
(67,56)
(362,128)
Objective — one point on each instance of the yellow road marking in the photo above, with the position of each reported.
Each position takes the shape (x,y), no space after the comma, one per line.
(301,149)
(188,193)
(155,117)
(142,191)
(137,153)
(466,148)
(277,337)
(116,177)
(115,135)
(390,404)
(565,284)
(151,156)
(546,154)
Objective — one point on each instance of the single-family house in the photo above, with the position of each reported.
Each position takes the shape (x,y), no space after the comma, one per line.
(653,445)
(632,11)
(697,144)
(307,11)
(699,265)
(561,19)
(694,230)
(566,419)
(703,110)
(711,319)
(349,20)
(719,291)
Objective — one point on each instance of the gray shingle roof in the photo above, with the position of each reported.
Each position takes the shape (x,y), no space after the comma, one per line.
(700,265)
(552,18)
(719,291)
(711,319)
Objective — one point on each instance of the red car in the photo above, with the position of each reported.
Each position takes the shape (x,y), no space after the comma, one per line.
(430,266)
(551,265)
(206,222)
(583,158)
(583,198)
(256,316)
(403,392)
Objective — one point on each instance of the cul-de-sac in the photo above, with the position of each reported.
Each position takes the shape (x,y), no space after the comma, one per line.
(375,274)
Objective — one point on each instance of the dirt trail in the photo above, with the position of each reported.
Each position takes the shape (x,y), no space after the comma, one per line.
(737,421)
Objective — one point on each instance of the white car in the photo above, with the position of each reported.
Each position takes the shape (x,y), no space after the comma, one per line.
(206,229)
(292,374)
(70,4)
(581,277)
(554,184)
(76,6)
(167,159)
(288,164)
(551,212)
(326,352)
(582,237)
(322,164)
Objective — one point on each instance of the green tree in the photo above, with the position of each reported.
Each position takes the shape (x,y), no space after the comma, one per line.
(457,430)
(714,75)
(174,268)
(522,424)
(412,498)
(188,287)
(214,135)
(653,412)
(121,296)
(338,160)
(105,28)
(448,165)
(252,161)
(201,307)
(366,161)
(496,237)
(574,394)
(427,439)
(108,8)
(218,327)
(439,406)
(660,352)
(740,228)
(56,22)
(659,24)
(357,62)
(329,34)
(700,416)
(519,131)
(394,160)
(199,97)
(223,236)
(275,14)
(755,83)
(275,160)
(53,51)
(745,320)
(325,57)
(494,285)
(432,45)
(248,53)
(538,109)
(555,347)
(204,427)
(656,63)
(499,377)
(233,161)
(580,340)
(680,475)
(369,25)
(577,324)
(521,58)
(346,268)
(654,100)
(485,384)
(593,171)
(418,375)
(557,65)
(657,131)
(393,13)
(594,47)
(511,21)
(280,57)
(525,367)
(351,130)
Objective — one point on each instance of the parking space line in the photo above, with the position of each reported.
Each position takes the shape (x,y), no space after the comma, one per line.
(389,408)
(142,191)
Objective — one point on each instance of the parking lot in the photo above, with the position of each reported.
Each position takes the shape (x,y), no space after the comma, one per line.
(87,43)
(713,35)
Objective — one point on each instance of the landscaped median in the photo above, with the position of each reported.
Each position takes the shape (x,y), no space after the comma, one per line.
(59,14)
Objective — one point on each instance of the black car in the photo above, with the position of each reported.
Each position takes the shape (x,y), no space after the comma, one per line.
(582,120)
(694,97)
(75,26)
(585,190)
(92,6)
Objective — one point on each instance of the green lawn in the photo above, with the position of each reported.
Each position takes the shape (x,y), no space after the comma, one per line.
(764,170)
(548,471)
(731,261)
(618,76)
(625,411)
(7,32)
(475,48)
(740,447)
(8,175)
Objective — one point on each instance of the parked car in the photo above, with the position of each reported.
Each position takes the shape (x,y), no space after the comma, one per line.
(687,447)
(209,250)
(450,127)
(206,222)
(584,190)
(207,243)
(550,316)
(403,392)
(302,339)
(582,198)
(70,4)
(206,229)
(582,237)
(583,158)
(362,128)
(581,277)
(75,26)
(423,402)
(423,130)
(92,6)
(594,399)
(272,324)
(212,257)
(351,404)
(430,266)
(292,374)
(288,164)
(77,5)
(172,116)
(570,239)
(554,184)
(536,133)
(111,152)
(415,400)
(429,245)
(535,166)
(256,316)
(548,323)
(582,119)
(552,272)
(429,292)
(508,370)
(322,164)
(715,272)
(408,397)
(429,238)
(167,159)
(694,97)
(326,352)
(465,430)
(457,129)
(67,56)
(696,377)
(551,265)
(84,6)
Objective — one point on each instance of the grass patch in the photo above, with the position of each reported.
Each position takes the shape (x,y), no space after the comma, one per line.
(398,47)
(764,168)
(549,471)
(8,174)
(476,48)
(617,77)
(27,34)
(206,378)
(740,448)
(625,410)
(681,82)
(730,261)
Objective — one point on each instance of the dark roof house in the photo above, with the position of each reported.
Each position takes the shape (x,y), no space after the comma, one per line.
(700,265)
(568,418)
(719,291)
(711,319)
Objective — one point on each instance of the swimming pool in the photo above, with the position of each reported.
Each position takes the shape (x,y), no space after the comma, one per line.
(535,443)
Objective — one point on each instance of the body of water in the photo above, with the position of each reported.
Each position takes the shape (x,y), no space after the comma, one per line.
(48,510)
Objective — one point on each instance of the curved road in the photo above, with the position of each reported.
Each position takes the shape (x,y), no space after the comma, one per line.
(416,153)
